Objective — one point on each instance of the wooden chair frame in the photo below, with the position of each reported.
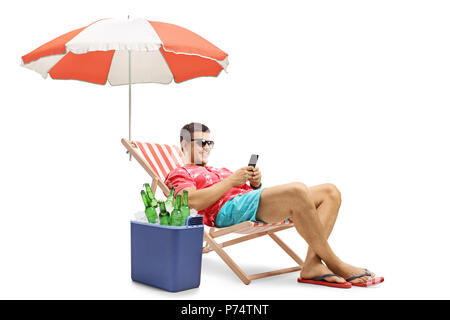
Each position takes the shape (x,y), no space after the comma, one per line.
(246,227)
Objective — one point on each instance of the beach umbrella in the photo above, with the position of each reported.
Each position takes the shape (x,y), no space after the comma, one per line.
(124,52)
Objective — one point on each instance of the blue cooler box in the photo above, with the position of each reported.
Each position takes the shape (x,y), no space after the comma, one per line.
(167,257)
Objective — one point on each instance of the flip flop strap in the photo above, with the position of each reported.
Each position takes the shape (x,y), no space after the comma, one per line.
(326,276)
(367,273)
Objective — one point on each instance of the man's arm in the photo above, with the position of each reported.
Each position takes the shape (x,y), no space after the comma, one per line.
(204,198)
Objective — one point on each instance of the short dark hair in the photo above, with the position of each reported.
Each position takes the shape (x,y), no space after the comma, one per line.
(188,130)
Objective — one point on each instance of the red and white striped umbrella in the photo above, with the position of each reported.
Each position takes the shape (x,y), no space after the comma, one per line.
(126,52)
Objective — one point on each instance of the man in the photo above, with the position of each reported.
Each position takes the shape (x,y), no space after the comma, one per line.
(224,198)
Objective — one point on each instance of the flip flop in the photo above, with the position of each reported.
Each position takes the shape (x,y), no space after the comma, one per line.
(368,283)
(318,281)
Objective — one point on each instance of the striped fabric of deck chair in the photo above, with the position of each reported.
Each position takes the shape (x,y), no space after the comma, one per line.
(159,159)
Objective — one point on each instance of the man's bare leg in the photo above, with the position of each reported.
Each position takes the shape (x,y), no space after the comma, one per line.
(327,200)
(314,212)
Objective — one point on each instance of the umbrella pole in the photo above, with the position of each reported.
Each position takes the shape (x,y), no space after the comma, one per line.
(129,97)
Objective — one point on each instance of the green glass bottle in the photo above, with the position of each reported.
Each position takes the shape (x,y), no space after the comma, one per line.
(169,201)
(145,199)
(176,219)
(151,196)
(185,210)
(150,212)
(164,216)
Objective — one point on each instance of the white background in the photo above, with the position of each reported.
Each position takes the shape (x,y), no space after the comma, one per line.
(355,93)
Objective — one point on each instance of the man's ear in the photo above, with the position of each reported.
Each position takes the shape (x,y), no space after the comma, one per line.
(183,147)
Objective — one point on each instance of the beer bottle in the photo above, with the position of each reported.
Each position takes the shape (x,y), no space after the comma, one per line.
(145,199)
(176,219)
(169,201)
(150,211)
(151,214)
(164,216)
(185,210)
(151,196)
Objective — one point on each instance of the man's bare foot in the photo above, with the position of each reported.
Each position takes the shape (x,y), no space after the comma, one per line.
(317,269)
(347,271)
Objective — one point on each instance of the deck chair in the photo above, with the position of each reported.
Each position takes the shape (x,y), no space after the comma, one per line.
(159,159)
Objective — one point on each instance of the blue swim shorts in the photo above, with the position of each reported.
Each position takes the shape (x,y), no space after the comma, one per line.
(241,208)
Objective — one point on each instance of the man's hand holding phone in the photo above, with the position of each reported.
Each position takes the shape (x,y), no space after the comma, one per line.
(249,173)
(244,174)
(255,178)
(241,176)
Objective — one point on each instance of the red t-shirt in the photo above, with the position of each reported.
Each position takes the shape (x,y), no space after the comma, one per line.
(201,177)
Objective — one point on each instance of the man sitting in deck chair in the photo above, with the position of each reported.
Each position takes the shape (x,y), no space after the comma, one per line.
(224,198)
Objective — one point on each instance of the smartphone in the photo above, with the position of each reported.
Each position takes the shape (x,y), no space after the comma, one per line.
(253,160)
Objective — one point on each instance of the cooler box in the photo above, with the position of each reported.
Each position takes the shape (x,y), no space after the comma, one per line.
(167,257)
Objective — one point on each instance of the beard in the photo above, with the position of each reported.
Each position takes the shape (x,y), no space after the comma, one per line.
(198,159)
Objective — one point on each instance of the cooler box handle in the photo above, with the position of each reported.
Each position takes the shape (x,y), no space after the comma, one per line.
(194,221)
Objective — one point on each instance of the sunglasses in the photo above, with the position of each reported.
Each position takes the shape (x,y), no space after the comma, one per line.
(204,142)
